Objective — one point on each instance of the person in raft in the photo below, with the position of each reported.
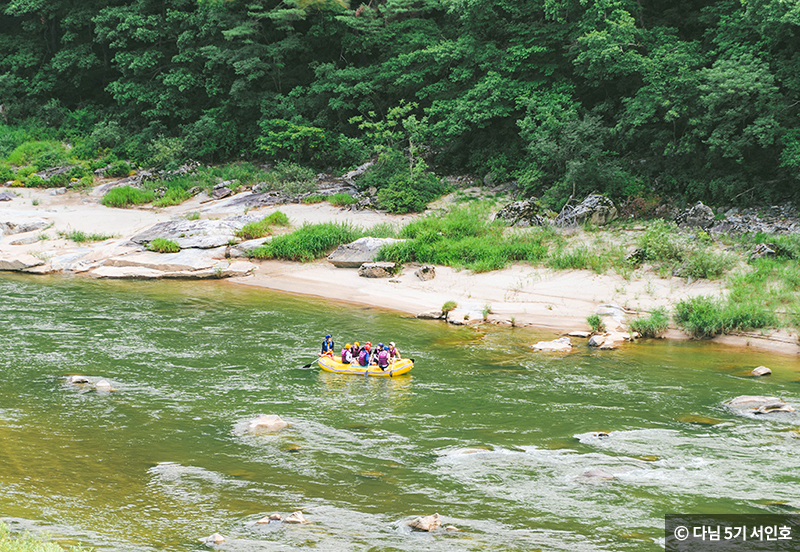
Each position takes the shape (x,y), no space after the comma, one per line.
(383,358)
(394,353)
(375,353)
(327,346)
(354,350)
(363,355)
(347,354)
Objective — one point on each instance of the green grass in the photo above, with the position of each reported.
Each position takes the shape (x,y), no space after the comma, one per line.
(309,242)
(28,543)
(126,196)
(341,200)
(706,316)
(654,325)
(162,245)
(173,196)
(254,230)
(596,323)
(82,237)
(313,199)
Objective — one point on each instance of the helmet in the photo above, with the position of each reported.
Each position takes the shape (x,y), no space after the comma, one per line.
(385,347)
(391,343)
(367,346)
(369,342)
(347,346)
(328,336)
(357,344)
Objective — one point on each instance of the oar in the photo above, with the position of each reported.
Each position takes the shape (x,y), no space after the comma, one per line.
(310,364)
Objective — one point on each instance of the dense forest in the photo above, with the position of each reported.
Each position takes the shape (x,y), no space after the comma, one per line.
(688,99)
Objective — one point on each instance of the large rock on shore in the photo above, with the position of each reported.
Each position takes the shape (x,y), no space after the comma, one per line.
(21,225)
(522,213)
(185,260)
(200,234)
(698,216)
(596,208)
(377,270)
(355,254)
(19,263)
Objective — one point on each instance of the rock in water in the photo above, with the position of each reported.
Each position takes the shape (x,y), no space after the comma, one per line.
(266,422)
(213,540)
(426,523)
(296,517)
(103,385)
(601,475)
(269,519)
(77,380)
(562,344)
(761,371)
(757,404)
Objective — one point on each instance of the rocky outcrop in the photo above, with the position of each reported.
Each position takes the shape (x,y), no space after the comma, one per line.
(698,216)
(21,225)
(7,196)
(355,254)
(266,423)
(426,523)
(610,340)
(432,315)
(425,273)
(758,404)
(523,213)
(596,208)
(377,270)
(199,234)
(18,263)
(562,344)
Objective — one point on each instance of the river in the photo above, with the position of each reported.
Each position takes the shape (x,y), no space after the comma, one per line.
(488,434)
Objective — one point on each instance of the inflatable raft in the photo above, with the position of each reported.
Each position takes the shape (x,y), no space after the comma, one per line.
(396,368)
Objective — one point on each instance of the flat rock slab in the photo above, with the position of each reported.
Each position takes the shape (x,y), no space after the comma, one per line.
(184,260)
(562,344)
(221,270)
(200,234)
(7,196)
(758,404)
(18,263)
(355,254)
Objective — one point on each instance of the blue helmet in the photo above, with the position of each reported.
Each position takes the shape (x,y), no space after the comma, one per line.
(385,347)
(328,336)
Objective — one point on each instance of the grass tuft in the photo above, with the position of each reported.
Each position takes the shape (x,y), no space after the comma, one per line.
(309,242)
(654,325)
(254,230)
(162,245)
(125,196)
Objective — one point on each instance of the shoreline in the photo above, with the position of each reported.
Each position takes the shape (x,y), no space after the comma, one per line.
(521,295)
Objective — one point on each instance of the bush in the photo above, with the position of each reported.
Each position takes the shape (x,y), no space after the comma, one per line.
(254,230)
(309,242)
(596,323)
(161,245)
(118,169)
(125,196)
(654,325)
(174,195)
(40,154)
(706,316)
(313,199)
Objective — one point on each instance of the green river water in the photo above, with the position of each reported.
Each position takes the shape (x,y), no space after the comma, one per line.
(488,434)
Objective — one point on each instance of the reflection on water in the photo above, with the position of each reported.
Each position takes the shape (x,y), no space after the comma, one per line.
(496,439)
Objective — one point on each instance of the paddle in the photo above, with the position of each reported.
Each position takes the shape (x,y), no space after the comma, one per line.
(310,364)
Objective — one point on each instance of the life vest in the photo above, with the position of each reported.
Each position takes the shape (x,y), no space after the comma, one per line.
(383,359)
(347,356)
(363,357)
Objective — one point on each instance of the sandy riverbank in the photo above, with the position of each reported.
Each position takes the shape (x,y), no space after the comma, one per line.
(527,296)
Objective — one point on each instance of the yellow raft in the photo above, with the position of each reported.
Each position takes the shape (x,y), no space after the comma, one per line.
(396,368)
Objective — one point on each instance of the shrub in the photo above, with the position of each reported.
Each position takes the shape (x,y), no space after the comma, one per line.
(704,263)
(263,227)
(448,307)
(40,154)
(313,199)
(118,169)
(596,323)
(161,245)
(309,242)
(125,196)
(404,194)
(341,199)
(173,196)
(700,316)
(654,325)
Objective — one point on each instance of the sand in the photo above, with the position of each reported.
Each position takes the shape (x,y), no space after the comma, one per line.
(521,295)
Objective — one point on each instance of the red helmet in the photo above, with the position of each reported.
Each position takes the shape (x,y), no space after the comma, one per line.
(367,346)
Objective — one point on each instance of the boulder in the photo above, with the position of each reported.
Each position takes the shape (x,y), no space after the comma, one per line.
(426,523)
(28,240)
(761,371)
(77,380)
(522,213)
(579,334)
(377,270)
(213,540)
(596,208)
(19,262)
(104,385)
(266,423)
(243,249)
(432,315)
(58,191)
(562,344)
(269,519)
(296,517)
(426,272)
(22,225)
(355,254)
(611,340)
(757,404)
(221,192)
(698,216)
(7,196)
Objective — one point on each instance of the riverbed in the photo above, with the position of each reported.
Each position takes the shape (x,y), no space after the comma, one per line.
(493,437)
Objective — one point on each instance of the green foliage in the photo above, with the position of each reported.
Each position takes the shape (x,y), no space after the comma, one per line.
(253,230)
(282,139)
(313,199)
(309,242)
(175,195)
(595,323)
(654,325)
(162,245)
(118,169)
(407,194)
(78,236)
(38,154)
(448,307)
(341,199)
(705,316)
(125,196)
(28,543)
